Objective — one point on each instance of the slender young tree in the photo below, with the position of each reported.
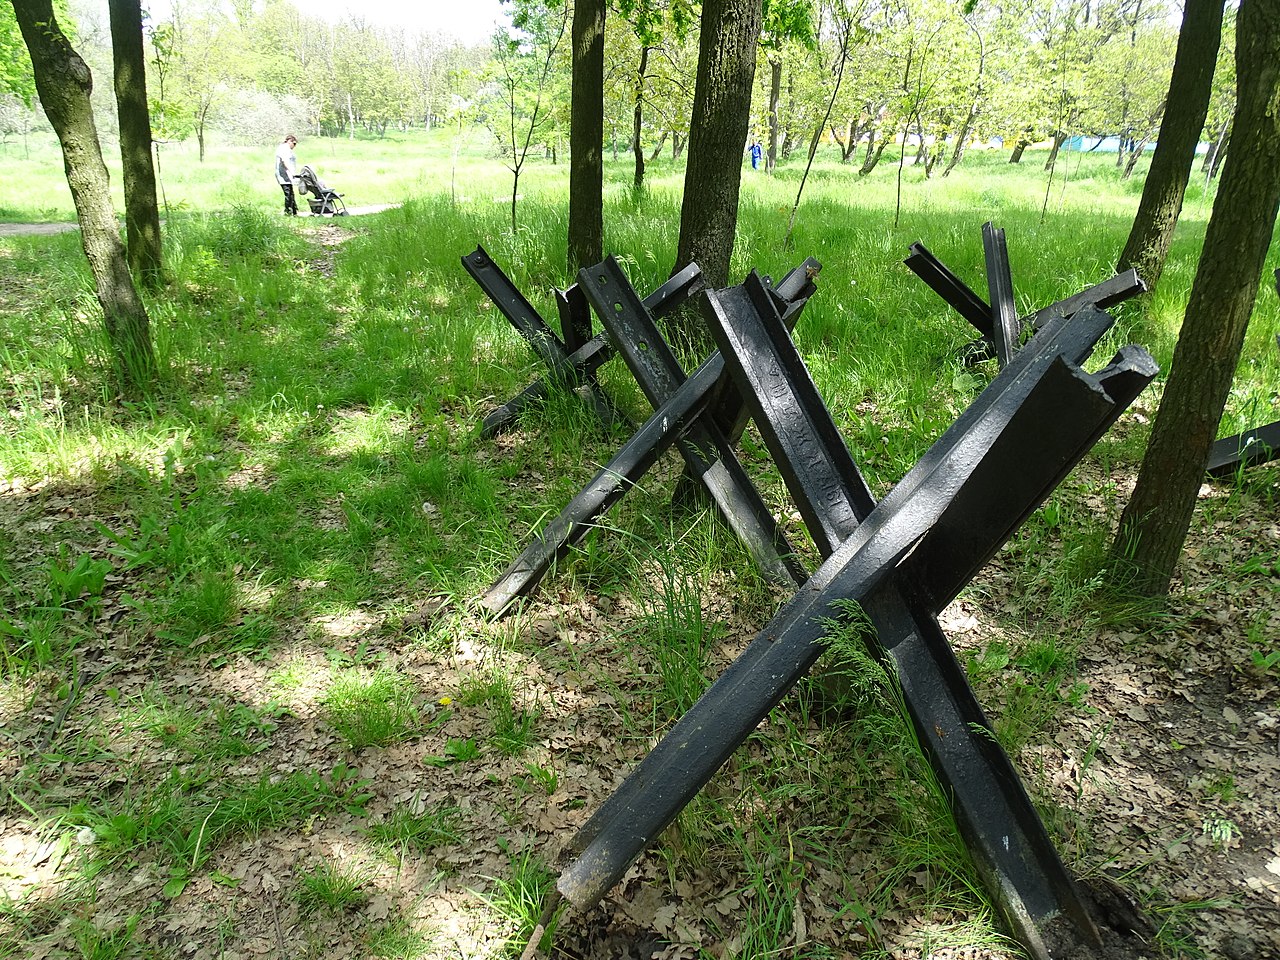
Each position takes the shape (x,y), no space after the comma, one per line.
(586,137)
(1186,108)
(717,134)
(141,209)
(63,82)
(1156,519)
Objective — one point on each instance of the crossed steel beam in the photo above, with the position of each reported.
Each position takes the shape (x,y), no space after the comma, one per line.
(571,362)
(998,321)
(700,414)
(1259,445)
(902,559)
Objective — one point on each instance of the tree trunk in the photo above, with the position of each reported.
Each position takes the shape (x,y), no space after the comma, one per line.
(775,93)
(1220,156)
(1018,148)
(975,106)
(142,211)
(721,111)
(1059,139)
(1211,155)
(962,139)
(1134,157)
(64,84)
(638,117)
(586,137)
(873,156)
(1155,521)
(1190,87)
(657,149)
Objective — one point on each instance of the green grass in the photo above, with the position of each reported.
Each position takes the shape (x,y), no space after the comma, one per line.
(226,585)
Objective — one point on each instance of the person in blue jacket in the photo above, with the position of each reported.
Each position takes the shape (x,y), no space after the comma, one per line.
(756,154)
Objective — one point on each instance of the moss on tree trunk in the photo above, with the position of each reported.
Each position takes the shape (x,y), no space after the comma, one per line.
(64,84)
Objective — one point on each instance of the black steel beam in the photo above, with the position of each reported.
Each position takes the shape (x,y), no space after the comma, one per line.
(583,363)
(1020,866)
(708,454)
(815,463)
(1260,445)
(954,291)
(573,362)
(1005,330)
(575,317)
(960,297)
(608,486)
(669,777)
(498,287)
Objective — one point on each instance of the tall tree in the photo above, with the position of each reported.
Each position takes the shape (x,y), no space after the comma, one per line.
(717,134)
(1184,116)
(64,84)
(141,210)
(524,69)
(782,22)
(586,137)
(1155,521)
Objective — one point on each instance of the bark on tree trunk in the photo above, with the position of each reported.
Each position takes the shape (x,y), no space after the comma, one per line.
(1220,156)
(1058,140)
(721,111)
(142,210)
(962,139)
(637,118)
(1190,87)
(1134,157)
(1018,148)
(1156,519)
(586,137)
(64,84)
(775,94)
(873,155)
(1211,155)
(657,149)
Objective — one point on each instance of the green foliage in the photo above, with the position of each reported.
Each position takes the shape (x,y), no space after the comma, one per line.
(372,708)
(331,888)
(521,898)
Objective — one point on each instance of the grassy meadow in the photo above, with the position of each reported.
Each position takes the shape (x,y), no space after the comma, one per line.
(248,709)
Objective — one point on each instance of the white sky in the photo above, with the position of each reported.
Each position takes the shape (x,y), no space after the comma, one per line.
(471,21)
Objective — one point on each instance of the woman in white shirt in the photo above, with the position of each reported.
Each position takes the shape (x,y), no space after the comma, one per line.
(286,170)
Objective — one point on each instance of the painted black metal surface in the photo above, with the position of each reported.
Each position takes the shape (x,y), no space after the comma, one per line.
(575,317)
(572,363)
(622,472)
(583,363)
(498,287)
(950,288)
(960,297)
(707,452)
(1009,843)
(1248,449)
(678,417)
(1005,330)
(1019,864)
(815,463)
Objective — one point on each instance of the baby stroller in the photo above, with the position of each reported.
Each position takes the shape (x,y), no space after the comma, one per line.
(323,201)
